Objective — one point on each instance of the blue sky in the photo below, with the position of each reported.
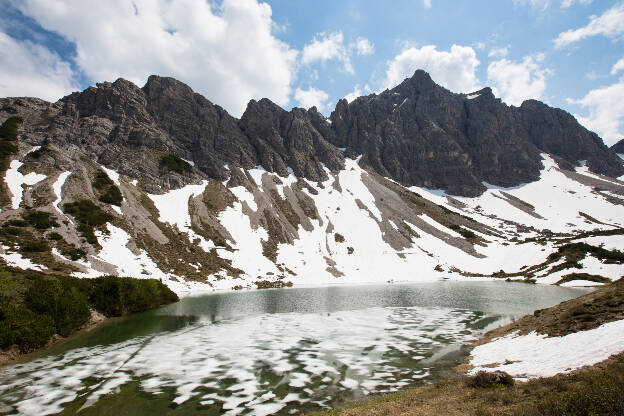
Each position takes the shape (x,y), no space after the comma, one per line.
(567,53)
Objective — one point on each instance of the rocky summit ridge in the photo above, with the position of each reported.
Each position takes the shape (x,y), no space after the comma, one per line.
(413,183)
(417,133)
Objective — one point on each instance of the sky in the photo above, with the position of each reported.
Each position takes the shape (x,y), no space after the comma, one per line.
(566,53)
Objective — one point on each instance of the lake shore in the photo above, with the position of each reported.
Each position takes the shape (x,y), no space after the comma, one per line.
(14,356)
(597,386)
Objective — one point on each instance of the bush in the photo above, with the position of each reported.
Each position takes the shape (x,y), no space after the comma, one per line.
(485,379)
(36,154)
(101,180)
(11,231)
(34,246)
(17,223)
(89,216)
(58,299)
(467,233)
(73,253)
(117,296)
(175,164)
(8,130)
(112,196)
(55,236)
(34,306)
(19,325)
(6,149)
(40,220)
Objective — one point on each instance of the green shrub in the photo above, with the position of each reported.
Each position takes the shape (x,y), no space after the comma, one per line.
(486,379)
(19,325)
(11,231)
(73,253)
(466,233)
(17,223)
(40,220)
(34,306)
(175,164)
(36,154)
(89,217)
(68,307)
(101,180)
(6,149)
(8,130)
(110,193)
(116,296)
(55,236)
(34,246)
(112,196)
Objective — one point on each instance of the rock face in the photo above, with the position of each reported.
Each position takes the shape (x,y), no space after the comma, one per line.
(618,147)
(417,134)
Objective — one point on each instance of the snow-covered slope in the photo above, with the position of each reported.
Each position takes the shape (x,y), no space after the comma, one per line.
(262,229)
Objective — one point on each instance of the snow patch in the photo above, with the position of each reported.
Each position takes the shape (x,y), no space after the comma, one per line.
(173,208)
(15,259)
(536,355)
(57,187)
(111,174)
(14,180)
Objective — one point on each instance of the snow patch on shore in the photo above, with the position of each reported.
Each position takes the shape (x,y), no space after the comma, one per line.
(536,355)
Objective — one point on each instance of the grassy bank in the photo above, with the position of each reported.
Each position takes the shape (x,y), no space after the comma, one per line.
(35,306)
(596,390)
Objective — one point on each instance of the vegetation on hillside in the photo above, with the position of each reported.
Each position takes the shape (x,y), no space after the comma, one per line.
(8,134)
(175,164)
(34,306)
(109,192)
(89,217)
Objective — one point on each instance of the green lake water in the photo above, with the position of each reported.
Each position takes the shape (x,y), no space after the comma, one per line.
(278,351)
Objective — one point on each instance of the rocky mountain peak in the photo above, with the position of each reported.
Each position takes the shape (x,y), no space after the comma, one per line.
(618,147)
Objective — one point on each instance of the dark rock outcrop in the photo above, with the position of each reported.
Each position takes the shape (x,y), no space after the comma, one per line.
(418,133)
(618,147)
(422,134)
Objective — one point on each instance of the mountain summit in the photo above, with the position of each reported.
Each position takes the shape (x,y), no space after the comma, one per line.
(414,183)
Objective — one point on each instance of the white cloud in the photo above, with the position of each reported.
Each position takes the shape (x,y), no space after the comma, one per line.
(609,24)
(427,4)
(357,92)
(227,52)
(31,70)
(592,75)
(567,3)
(364,47)
(454,69)
(499,52)
(325,47)
(515,82)
(619,66)
(606,111)
(311,97)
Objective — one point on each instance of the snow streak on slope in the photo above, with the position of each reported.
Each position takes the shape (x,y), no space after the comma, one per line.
(318,258)
(247,243)
(555,198)
(57,187)
(533,355)
(14,180)
(173,208)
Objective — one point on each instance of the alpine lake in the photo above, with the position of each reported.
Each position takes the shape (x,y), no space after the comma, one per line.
(274,351)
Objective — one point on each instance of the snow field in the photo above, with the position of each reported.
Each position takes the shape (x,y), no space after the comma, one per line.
(534,355)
